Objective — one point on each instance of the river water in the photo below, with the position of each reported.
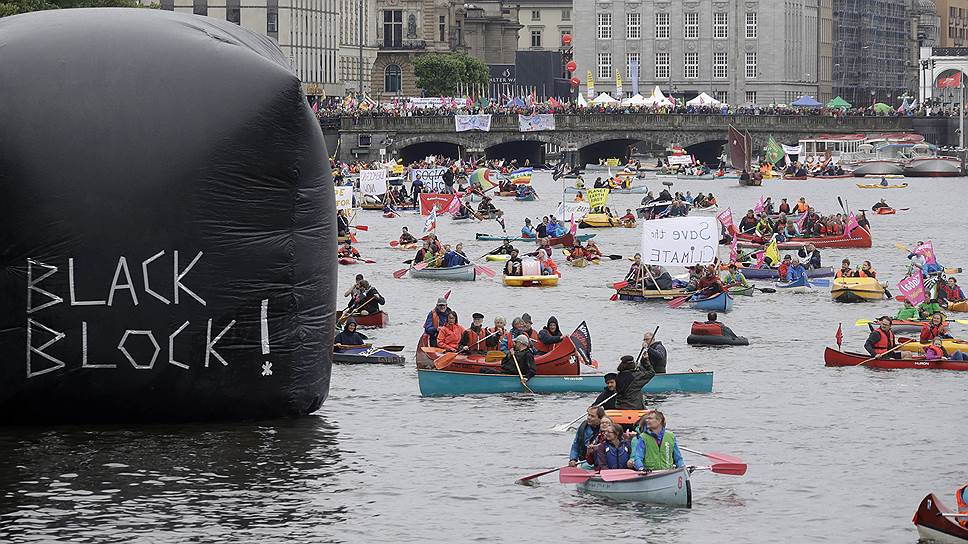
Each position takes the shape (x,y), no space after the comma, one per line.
(835,455)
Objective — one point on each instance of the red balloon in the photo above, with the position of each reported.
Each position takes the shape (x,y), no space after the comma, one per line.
(566,39)
(575,82)
(571,66)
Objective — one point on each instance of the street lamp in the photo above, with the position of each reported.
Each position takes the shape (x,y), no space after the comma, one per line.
(361,48)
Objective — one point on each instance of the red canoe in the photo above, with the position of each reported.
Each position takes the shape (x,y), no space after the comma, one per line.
(377,320)
(832,357)
(885,211)
(934,526)
(859,238)
(561,361)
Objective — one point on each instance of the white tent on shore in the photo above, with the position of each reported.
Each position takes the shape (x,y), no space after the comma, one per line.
(657,98)
(604,99)
(704,100)
(637,100)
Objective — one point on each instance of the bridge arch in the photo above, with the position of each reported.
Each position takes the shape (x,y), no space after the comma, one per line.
(417,147)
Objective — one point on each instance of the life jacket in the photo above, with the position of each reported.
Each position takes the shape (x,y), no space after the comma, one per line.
(938,352)
(931,331)
(861,273)
(784,208)
(617,457)
(948,292)
(802,207)
(659,456)
(474,339)
(511,334)
(706,329)
(841,274)
(885,342)
(962,504)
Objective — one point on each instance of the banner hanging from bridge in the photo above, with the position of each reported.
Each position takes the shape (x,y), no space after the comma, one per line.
(463,123)
(535,123)
(680,241)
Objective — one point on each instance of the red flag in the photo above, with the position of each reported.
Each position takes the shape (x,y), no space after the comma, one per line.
(953,80)
(840,335)
(447,294)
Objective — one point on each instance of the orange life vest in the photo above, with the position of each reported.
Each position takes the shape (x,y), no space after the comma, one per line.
(885,342)
(474,342)
(962,505)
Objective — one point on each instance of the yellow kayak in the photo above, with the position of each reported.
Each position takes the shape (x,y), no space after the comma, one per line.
(599,221)
(879,186)
(950,345)
(530,281)
(500,258)
(961,306)
(856,290)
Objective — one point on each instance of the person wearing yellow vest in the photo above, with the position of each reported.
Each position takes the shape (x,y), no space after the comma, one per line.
(655,447)
(961,497)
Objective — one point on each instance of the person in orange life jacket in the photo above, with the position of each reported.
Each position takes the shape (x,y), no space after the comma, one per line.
(935,328)
(950,292)
(347,250)
(603,399)
(881,339)
(528,330)
(866,271)
(548,266)
(586,432)
(449,334)
(472,340)
(549,336)
(845,270)
(435,319)
(781,271)
(936,351)
(961,498)
(711,319)
(631,379)
(802,206)
(496,334)
(613,452)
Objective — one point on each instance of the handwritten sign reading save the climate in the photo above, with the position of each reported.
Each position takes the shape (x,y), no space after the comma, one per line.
(680,241)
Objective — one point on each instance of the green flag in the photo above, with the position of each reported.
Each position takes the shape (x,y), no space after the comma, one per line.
(774,151)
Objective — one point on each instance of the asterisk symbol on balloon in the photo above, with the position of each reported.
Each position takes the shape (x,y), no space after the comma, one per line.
(267,368)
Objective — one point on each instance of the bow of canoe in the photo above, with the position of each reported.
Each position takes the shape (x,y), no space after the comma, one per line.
(934,526)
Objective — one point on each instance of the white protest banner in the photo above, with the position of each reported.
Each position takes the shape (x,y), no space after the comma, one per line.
(463,123)
(344,197)
(432,178)
(567,209)
(373,182)
(680,241)
(685,160)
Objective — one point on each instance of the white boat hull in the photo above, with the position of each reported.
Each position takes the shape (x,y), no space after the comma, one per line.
(666,487)
(878,168)
(933,167)
(938,537)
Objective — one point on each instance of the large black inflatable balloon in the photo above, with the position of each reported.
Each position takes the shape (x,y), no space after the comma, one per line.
(166,222)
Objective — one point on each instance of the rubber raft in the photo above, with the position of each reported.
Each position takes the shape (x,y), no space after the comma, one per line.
(708,334)
(857,290)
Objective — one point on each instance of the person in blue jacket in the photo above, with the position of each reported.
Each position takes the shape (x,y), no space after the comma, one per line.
(796,271)
(527,231)
(613,452)
(655,447)
(587,431)
(455,257)
(436,318)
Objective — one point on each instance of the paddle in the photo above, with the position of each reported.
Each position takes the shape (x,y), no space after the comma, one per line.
(565,426)
(484,270)
(764,289)
(444,360)
(392,348)
(352,313)
(620,285)
(677,302)
(401,273)
(360,227)
(530,477)
(819,283)
(721,457)
(574,475)
(524,382)
(394,243)
(881,356)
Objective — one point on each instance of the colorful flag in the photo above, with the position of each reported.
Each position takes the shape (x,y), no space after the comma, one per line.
(726,219)
(851,224)
(590,81)
(912,288)
(772,253)
(802,221)
(482,176)
(774,151)
(447,294)
(521,176)
(840,335)
(733,254)
(430,224)
(926,250)
(950,81)
(454,205)
(582,339)
(760,206)
(574,226)
(759,259)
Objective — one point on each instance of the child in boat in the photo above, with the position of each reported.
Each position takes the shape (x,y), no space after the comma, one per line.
(613,452)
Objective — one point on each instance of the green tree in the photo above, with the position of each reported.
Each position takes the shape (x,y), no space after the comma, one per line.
(13,7)
(440,74)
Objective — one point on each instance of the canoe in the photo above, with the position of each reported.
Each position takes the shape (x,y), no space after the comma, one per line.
(665,487)
(859,238)
(879,186)
(740,291)
(638,295)
(633,191)
(497,258)
(390,215)
(901,325)
(771,273)
(598,221)
(368,356)
(832,357)
(531,281)
(580,262)
(492,238)
(454,273)
(560,361)
(708,210)
(794,178)
(349,260)
(951,345)
(687,177)
(721,302)
(885,211)
(407,247)
(961,306)
(799,286)
(371,321)
(856,290)
(933,526)
(434,383)
(527,198)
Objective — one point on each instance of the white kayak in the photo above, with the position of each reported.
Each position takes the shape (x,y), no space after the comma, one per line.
(667,487)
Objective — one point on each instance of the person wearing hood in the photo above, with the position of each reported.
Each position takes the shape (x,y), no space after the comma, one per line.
(549,336)
(349,338)
(629,382)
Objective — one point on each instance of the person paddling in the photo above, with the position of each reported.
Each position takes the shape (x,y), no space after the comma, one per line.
(347,250)
(735,278)
(629,382)
(881,339)
(520,360)
(406,237)
(349,338)
(654,354)
(606,399)
(935,328)
(513,265)
(879,205)
(473,338)
(435,319)
(949,292)
(796,272)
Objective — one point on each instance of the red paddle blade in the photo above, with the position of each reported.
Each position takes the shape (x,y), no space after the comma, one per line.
(485,270)
(721,457)
(444,361)
(401,273)
(574,475)
(613,297)
(362,227)
(734,469)
(676,302)
(620,285)
(620,474)
(421,265)
(394,243)
(353,238)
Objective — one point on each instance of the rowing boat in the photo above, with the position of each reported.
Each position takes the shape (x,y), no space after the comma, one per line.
(857,290)
(665,487)
(859,238)
(599,221)
(435,383)
(720,302)
(368,356)
(772,274)
(374,321)
(635,294)
(788,177)
(934,526)
(407,247)
(531,281)
(491,238)
(832,357)
(960,306)
(560,361)
(740,291)
(465,272)
(879,186)
(630,191)
(800,286)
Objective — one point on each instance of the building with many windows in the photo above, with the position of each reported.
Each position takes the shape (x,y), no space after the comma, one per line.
(543,24)
(758,51)
(954,23)
(357,44)
(306,30)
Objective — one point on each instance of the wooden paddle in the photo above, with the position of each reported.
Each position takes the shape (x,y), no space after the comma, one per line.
(881,355)
(445,360)
(353,312)
(520,374)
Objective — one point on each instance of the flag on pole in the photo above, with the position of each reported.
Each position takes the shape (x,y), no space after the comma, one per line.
(912,288)
(430,224)
(851,224)
(774,151)
(926,250)
(447,294)
(840,335)
(582,339)
(726,219)
(772,253)
(574,226)
(733,254)
(454,205)
(760,206)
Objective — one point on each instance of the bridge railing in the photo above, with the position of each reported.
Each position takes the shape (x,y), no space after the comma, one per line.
(640,121)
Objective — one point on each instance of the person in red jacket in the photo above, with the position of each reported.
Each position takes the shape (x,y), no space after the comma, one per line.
(936,327)
(449,335)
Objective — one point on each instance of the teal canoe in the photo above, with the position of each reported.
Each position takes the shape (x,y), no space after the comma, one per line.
(435,383)
(490,238)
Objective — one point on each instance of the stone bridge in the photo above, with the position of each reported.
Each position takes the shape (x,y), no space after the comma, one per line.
(413,137)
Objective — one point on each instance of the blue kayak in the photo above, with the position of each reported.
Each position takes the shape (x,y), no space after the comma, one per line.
(771,273)
(368,356)
(434,383)
(722,302)
(802,285)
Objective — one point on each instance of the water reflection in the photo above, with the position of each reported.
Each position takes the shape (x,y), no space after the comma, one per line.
(167,484)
